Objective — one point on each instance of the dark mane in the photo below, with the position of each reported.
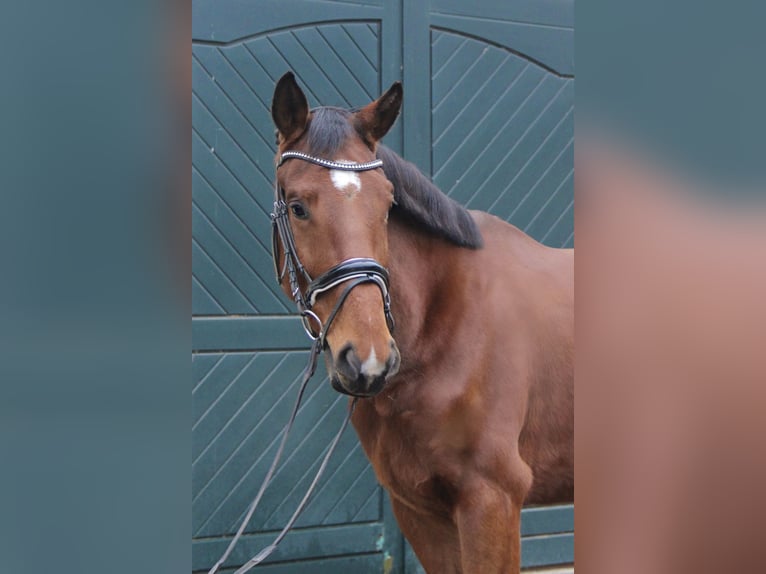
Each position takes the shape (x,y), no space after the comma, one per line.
(417,199)
(425,204)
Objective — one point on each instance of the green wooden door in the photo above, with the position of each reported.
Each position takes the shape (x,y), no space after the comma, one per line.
(488,113)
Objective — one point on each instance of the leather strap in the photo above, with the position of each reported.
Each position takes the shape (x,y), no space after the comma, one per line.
(346,270)
(330,164)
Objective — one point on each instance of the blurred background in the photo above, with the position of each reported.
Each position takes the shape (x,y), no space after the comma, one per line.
(671,272)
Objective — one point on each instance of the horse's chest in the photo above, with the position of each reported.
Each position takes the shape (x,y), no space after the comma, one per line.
(406,468)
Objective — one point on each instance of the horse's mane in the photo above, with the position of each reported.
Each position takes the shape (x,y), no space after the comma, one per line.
(416,198)
(420,201)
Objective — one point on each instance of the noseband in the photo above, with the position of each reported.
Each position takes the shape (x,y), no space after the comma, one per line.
(357,270)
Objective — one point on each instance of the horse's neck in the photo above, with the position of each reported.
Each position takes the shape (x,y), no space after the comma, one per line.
(425,284)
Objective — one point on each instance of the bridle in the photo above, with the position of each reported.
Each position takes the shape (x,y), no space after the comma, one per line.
(358,269)
(354,271)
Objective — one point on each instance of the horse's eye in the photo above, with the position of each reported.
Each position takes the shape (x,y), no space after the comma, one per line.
(299,211)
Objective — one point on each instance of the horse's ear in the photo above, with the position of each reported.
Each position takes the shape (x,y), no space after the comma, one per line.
(289,108)
(374,120)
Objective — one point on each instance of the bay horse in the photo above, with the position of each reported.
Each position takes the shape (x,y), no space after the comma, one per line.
(464,407)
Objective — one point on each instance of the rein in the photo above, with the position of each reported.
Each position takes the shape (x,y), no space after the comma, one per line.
(354,271)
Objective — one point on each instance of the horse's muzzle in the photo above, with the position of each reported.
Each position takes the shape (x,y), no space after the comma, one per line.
(352,376)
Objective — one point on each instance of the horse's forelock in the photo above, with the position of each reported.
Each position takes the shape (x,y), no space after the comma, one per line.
(328,130)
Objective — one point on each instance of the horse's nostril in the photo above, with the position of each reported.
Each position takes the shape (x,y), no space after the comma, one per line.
(348,363)
(394,359)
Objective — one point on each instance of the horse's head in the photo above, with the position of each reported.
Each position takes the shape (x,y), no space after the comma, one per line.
(336,216)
